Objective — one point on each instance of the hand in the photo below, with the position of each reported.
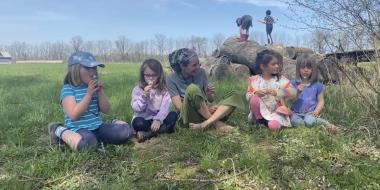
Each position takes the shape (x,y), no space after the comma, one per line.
(300,87)
(314,113)
(210,89)
(99,85)
(271,92)
(147,89)
(92,87)
(155,126)
(212,108)
(260,93)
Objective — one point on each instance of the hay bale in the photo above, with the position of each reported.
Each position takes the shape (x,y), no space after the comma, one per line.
(221,70)
(241,52)
(328,70)
(216,67)
(289,68)
(240,70)
(293,52)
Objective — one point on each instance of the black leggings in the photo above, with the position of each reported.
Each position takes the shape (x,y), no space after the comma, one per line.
(140,124)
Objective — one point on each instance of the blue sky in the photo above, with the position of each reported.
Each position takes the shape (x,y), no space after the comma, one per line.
(36,21)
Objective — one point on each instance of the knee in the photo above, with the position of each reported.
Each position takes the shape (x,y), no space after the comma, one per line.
(274,125)
(87,143)
(254,102)
(172,116)
(297,121)
(192,89)
(310,121)
(123,134)
(138,123)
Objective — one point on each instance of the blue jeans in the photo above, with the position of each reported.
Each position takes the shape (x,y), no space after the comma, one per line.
(108,133)
(307,120)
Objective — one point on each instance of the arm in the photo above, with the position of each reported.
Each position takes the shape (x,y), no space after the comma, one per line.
(104,103)
(164,108)
(75,110)
(320,104)
(177,102)
(139,100)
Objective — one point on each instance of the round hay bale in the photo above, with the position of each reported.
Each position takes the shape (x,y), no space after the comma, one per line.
(241,52)
(289,68)
(220,70)
(240,70)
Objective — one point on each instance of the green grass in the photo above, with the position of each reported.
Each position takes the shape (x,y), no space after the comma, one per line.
(248,157)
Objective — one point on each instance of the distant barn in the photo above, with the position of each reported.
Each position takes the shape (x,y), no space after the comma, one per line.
(5,58)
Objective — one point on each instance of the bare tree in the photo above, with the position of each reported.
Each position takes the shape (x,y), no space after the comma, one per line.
(160,42)
(77,43)
(217,40)
(123,45)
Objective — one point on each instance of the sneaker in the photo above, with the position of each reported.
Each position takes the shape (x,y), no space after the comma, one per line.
(144,135)
(53,139)
(251,120)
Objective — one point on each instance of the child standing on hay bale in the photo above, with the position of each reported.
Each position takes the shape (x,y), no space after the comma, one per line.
(244,23)
(267,90)
(82,99)
(151,103)
(268,21)
(309,102)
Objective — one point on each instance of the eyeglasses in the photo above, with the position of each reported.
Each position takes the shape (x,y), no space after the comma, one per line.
(150,75)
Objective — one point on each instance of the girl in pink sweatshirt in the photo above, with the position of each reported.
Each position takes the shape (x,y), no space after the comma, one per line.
(151,103)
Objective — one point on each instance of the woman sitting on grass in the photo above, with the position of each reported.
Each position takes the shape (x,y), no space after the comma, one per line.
(151,103)
(82,99)
(191,93)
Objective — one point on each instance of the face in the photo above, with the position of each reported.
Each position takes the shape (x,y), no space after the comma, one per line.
(150,76)
(305,72)
(272,67)
(192,68)
(87,74)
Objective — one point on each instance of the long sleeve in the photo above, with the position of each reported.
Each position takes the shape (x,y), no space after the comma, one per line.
(139,100)
(251,87)
(286,89)
(164,108)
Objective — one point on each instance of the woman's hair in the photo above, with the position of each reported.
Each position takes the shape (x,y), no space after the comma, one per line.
(155,66)
(309,61)
(180,57)
(265,57)
(73,75)
(268,12)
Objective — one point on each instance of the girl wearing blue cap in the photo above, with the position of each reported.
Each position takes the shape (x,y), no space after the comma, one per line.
(82,99)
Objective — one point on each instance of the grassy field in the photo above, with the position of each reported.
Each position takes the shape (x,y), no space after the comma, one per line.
(249,157)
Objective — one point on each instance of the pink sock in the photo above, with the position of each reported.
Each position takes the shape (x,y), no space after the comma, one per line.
(274,125)
(255,107)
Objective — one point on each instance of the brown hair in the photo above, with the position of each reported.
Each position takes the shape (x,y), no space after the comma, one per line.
(309,61)
(156,66)
(73,75)
(265,57)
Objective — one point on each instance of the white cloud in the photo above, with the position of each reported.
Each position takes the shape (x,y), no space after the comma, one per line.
(261,3)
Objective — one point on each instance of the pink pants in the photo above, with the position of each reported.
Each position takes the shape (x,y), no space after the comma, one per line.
(255,111)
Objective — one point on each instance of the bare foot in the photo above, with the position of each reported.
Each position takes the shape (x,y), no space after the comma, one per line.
(198,125)
(333,129)
(222,126)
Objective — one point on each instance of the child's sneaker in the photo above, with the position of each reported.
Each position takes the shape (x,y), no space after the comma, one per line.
(144,135)
(53,139)
(251,120)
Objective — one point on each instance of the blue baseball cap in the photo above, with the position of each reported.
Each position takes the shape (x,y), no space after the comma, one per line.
(84,58)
